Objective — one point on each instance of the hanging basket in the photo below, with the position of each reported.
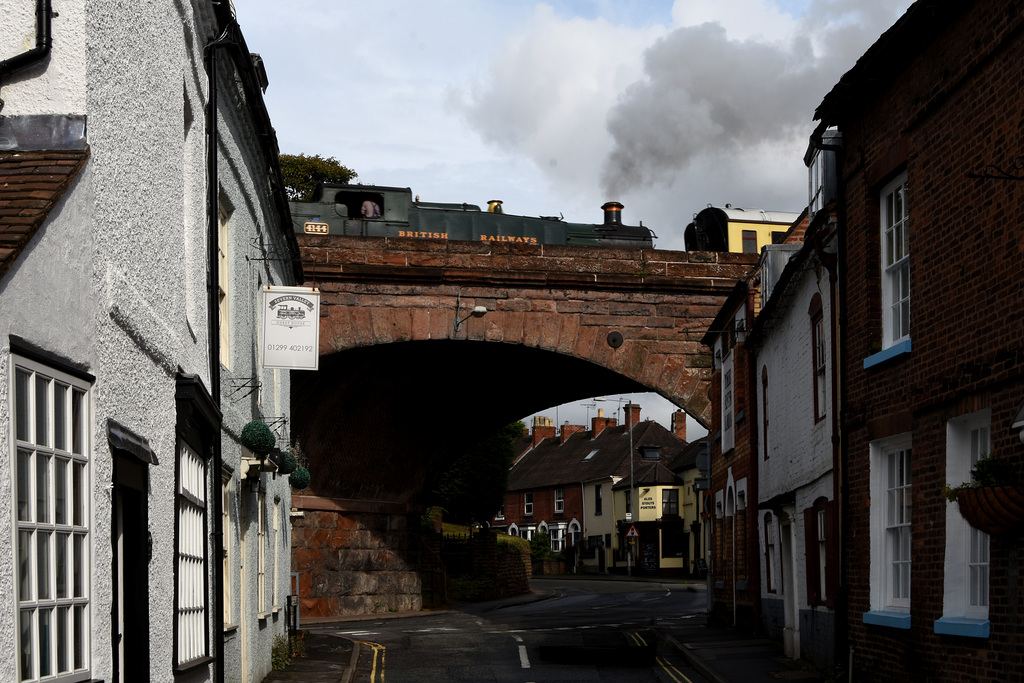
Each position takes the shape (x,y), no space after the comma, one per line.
(996,510)
(257,437)
(299,478)
(288,462)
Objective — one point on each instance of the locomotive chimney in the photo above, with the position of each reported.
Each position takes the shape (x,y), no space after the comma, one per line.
(612,213)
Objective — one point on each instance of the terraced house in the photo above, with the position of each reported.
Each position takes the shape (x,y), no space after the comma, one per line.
(928,205)
(868,387)
(141,213)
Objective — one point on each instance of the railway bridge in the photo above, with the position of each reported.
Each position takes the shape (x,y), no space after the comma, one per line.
(406,373)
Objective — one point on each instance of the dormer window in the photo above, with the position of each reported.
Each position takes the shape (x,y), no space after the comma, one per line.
(821,172)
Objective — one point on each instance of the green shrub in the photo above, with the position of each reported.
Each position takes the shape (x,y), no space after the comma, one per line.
(279,658)
(540,547)
(288,463)
(299,478)
(299,644)
(257,437)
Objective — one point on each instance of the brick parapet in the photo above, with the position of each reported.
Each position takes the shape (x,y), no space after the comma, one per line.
(563,299)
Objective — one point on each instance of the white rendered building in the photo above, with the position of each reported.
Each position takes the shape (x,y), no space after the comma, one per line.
(131,259)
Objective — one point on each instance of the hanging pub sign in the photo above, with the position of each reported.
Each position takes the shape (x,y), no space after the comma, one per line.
(291,328)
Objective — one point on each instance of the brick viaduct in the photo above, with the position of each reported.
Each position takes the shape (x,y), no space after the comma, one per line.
(398,385)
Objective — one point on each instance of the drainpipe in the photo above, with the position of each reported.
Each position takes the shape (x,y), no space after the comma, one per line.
(836,267)
(39,52)
(213,311)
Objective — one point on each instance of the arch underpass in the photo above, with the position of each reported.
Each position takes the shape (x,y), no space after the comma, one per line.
(398,385)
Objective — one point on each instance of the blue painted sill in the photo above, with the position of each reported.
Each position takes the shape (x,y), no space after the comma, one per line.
(888,354)
(962,626)
(889,619)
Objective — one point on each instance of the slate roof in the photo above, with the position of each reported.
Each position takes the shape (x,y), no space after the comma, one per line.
(31,184)
(687,457)
(649,474)
(583,458)
(881,63)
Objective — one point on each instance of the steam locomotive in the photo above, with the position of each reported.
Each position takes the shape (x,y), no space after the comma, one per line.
(372,210)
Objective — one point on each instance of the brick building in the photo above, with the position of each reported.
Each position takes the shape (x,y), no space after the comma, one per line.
(563,483)
(931,364)
(734,542)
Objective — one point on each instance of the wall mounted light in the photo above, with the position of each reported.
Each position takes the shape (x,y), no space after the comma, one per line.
(477,312)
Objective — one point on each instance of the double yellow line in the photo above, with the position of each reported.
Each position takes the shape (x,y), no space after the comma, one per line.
(670,670)
(377,649)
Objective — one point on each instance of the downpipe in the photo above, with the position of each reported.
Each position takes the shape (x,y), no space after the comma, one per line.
(44,41)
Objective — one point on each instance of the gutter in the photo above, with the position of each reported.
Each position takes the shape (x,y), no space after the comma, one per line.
(41,51)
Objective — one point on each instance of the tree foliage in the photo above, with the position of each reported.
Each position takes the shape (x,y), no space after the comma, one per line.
(473,486)
(540,547)
(303,174)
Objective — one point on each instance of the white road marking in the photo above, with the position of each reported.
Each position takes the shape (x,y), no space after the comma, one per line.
(524,661)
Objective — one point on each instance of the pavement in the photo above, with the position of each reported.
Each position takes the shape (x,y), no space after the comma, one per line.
(719,653)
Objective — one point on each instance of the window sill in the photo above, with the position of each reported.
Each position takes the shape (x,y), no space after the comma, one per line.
(900,620)
(193,664)
(962,626)
(893,351)
(262,616)
(230,628)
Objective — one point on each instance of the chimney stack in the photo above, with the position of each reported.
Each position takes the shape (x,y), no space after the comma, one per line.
(632,411)
(599,423)
(543,428)
(568,430)
(679,425)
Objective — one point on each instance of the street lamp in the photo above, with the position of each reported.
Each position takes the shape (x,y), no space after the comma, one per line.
(632,498)
(477,312)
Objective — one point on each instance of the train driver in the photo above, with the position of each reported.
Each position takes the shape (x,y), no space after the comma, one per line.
(371,209)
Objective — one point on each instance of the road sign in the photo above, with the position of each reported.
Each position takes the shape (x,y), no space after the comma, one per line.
(632,533)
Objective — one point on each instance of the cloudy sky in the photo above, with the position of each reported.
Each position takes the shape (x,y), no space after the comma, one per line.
(557,107)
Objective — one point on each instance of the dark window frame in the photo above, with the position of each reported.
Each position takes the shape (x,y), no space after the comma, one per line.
(818,364)
(198,427)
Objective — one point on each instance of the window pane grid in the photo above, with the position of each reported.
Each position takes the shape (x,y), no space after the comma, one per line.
(277,545)
(670,502)
(896,262)
(261,562)
(49,420)
(191,600)
(978,560)
(898,526)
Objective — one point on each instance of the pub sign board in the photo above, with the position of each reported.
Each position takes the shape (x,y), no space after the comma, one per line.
(291,328)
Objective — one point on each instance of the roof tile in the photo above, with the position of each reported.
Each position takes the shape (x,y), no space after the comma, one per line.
(31,184)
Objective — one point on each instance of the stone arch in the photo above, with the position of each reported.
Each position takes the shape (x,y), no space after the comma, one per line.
(399,385)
